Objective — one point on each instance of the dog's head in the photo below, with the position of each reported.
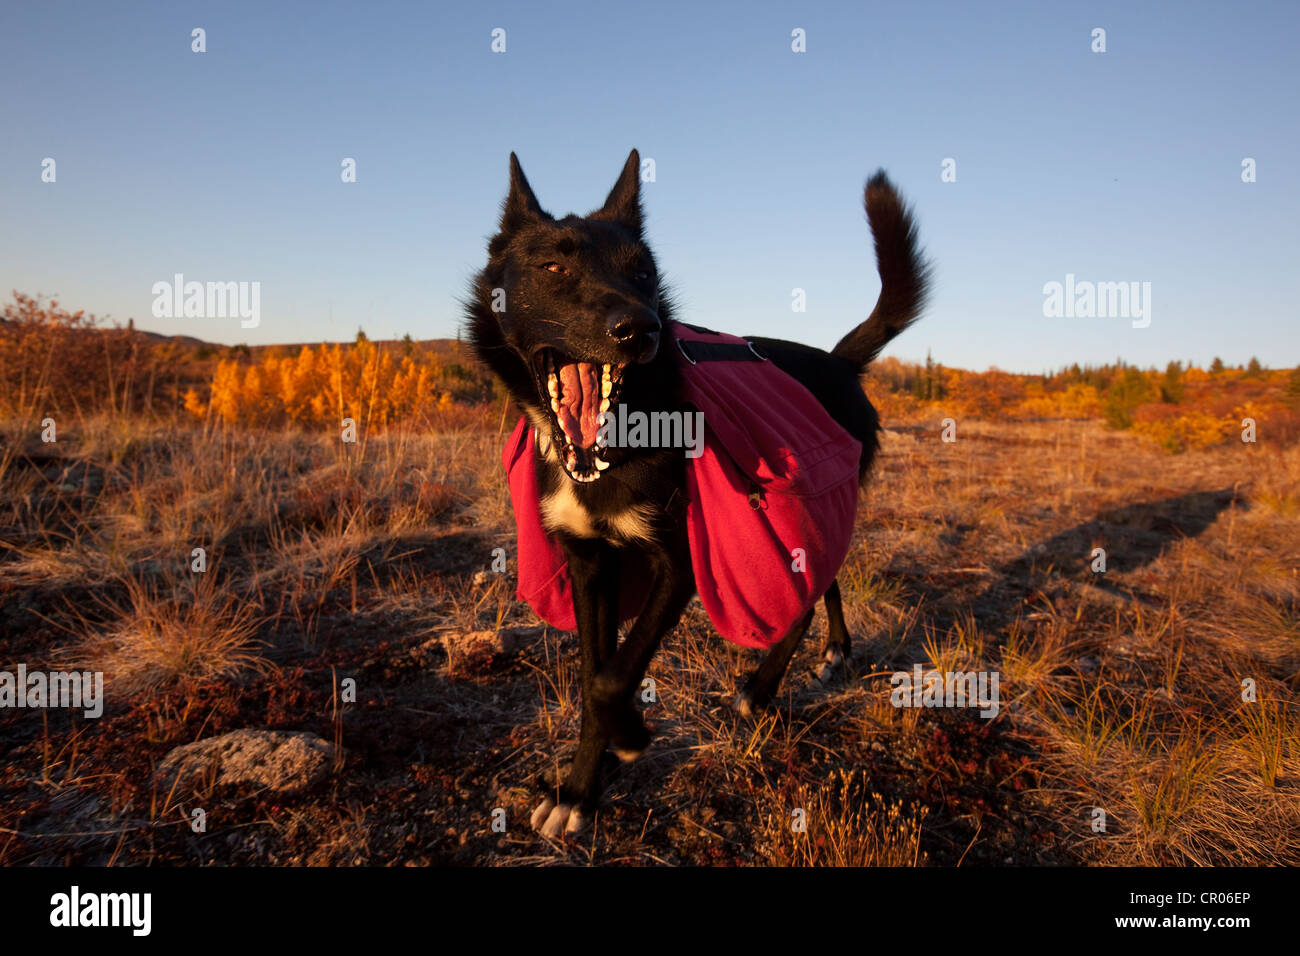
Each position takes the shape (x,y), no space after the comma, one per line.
(570,312)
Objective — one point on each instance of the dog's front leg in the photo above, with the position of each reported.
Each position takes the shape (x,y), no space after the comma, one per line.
(607,707)
(594,575)
(614,692)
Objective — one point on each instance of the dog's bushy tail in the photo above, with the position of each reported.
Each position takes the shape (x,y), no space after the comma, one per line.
(904,274)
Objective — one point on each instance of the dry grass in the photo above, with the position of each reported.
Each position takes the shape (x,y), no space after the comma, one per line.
(1120,692)
(199,633)
(842,824)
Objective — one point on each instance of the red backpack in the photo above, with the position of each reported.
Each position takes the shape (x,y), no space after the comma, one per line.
(771,500)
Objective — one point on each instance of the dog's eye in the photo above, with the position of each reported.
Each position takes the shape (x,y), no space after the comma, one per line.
(643,276)
(556,268)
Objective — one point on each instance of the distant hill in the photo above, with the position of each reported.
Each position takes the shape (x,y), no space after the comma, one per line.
(201,356)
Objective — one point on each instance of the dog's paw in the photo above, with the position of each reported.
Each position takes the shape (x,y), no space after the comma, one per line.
(745,705)
(832,665)
(628,756)
(557,820)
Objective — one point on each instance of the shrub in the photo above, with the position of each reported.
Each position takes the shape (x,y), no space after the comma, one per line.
(53,362)
(324,385)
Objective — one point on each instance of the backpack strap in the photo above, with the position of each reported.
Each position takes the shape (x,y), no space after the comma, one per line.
(697,352)
(671,498)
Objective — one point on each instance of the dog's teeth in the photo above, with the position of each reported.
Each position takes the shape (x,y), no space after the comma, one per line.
(604,404)
(601,464)
(553,387)
(555,406)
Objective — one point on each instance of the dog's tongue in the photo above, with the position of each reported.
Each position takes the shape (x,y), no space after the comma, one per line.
(579,402)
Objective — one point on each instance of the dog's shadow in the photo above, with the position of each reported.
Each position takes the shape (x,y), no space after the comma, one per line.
(1133,536)
(1127,539)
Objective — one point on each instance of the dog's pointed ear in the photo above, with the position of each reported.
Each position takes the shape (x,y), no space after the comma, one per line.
(624,202)
(520,205)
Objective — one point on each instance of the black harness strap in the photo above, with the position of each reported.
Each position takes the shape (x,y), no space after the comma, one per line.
(697,352)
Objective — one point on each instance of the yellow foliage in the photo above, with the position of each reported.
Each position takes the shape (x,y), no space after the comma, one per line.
(1251,409)
(326,385)
(1074,401)
(194,404)
(1192,429)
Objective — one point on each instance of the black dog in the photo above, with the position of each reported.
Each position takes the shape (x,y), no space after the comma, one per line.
(570,312)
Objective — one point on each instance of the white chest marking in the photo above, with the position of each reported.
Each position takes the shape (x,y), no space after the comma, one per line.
(632,524)
(561,510)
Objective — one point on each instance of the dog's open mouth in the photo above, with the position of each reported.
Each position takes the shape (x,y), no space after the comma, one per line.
(579,392)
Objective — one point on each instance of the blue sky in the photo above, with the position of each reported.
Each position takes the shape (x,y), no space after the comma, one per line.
(225,165)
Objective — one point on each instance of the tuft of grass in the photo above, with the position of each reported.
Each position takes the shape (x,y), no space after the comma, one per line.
(1030,656)
(1269,728)
(960,651)
(1169,784)
(1095,724)
(845,824)
(194,632)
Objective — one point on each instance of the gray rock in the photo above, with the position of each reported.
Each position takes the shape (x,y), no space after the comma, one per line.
(279,761)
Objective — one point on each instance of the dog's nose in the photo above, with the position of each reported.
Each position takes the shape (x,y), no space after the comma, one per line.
(636,330)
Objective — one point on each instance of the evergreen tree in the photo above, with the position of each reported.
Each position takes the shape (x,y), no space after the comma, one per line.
(1171,386)
(1129,389)
(1292,389)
